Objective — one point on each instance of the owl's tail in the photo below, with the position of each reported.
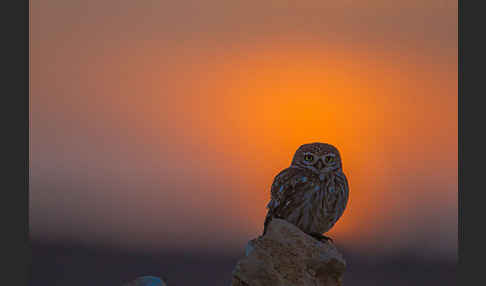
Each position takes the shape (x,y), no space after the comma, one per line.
(268,218)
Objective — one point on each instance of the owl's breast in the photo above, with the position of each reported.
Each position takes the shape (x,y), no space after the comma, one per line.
(320,204)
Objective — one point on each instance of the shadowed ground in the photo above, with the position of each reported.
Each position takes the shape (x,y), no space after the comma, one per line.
(54,265)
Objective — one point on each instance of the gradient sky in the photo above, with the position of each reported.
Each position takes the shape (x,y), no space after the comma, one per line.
(161,124)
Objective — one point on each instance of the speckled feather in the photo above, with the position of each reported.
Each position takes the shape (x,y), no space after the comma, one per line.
(312,201)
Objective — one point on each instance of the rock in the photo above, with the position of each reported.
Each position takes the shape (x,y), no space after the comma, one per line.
(146,281)
(286,256)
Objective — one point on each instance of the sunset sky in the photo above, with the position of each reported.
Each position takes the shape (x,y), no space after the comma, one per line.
(161,124)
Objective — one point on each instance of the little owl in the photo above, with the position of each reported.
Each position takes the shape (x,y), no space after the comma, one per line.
(312,193)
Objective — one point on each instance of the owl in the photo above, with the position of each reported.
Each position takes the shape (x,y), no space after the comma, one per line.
(312,193)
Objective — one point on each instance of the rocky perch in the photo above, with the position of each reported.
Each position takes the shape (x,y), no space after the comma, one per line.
(286,256)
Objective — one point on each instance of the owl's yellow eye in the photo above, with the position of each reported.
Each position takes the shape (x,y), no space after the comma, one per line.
(308,157)
(329,159)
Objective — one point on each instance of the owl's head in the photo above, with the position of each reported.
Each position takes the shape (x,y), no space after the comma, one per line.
(320,158)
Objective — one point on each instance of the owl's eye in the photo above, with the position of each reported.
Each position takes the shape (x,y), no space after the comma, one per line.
(308,157)
(329,159)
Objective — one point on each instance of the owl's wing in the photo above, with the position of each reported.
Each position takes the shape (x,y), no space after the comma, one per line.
(341,183)
(286,192)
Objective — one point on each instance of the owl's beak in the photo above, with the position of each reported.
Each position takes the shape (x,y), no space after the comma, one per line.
(319,164)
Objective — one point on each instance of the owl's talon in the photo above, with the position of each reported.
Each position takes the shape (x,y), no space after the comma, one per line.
(321,238)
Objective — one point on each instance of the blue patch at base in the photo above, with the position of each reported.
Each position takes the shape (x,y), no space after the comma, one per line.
(150,281)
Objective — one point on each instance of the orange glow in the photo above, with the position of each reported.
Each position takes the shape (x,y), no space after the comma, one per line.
(269,103)
(235,117)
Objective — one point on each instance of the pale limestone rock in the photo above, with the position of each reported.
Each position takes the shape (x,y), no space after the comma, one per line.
(286,256)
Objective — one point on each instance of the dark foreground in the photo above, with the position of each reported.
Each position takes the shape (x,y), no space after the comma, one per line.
(54,264)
